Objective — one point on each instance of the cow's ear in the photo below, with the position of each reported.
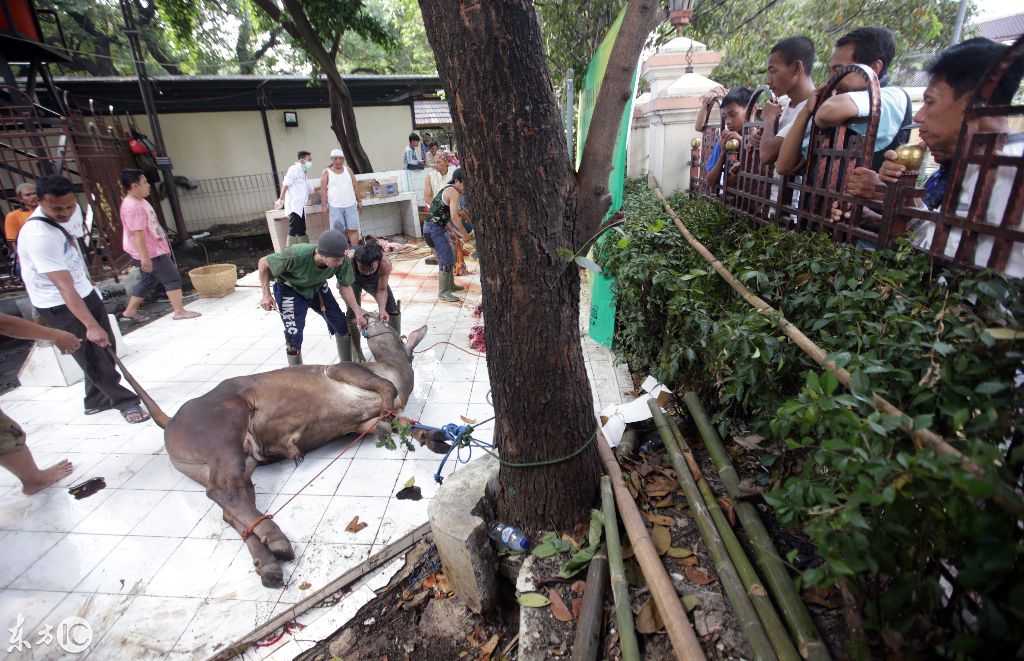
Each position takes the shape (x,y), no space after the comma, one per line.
(415,338)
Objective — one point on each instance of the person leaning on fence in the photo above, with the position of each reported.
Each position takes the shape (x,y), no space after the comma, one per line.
(734,110)
(338,196)
(14,454)
(444,210)
(873,47)
(372,270)
(295,192)
(300,275)
(146,243)
(788,75)
(58,285)
(954,74)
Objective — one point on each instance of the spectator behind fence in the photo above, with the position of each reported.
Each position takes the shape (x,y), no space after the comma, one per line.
(734,110)
(411,158)
(954,75)
(790,63)
(146,243)
(15,220)
(874,48)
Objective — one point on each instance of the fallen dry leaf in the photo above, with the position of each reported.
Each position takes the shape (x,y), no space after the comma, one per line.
(662,539)
(579,587)
(661,520)
(442,584)
(665,502)
(698,575)
(468,421)
(305,585)
(690,561)
(488,648)
(728,510)
(429,581)
(690,602)
(824,597)
(355,525)
(648,620)
(749,442)
(576,605)
(558,608)
(679,552)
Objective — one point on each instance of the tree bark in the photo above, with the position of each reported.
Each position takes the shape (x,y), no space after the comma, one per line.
(523,189)
(343,122)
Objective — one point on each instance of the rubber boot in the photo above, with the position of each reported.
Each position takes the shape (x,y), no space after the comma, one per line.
(302,238)
(292,240)
(355,343)
(344,348)
(294,359)
(444,287)
(395,321)
(456,286)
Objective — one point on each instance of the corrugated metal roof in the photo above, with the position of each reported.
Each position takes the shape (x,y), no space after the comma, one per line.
(1005,28)
(429,112)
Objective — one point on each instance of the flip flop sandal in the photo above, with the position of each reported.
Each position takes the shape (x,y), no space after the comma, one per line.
(135,410)
(188,314)
(137,319)
(99,409)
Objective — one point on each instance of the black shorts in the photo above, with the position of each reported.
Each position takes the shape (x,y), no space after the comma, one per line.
(164,270)
(296,224)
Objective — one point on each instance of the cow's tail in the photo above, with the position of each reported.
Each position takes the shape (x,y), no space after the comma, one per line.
(155,412)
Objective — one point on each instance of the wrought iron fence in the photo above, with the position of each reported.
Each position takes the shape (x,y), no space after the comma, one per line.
(226,200)
(978,223)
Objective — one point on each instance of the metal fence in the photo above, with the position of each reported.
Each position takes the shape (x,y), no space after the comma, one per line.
(227,200)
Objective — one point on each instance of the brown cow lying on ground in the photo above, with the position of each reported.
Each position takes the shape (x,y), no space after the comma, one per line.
(218,438)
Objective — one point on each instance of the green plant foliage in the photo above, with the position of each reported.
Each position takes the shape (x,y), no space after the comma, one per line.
(884,515)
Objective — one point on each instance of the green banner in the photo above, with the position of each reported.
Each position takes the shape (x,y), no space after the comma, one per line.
(588,97)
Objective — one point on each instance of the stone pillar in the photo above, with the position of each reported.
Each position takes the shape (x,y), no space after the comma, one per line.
(664,116)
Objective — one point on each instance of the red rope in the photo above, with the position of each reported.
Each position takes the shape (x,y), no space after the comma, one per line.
(385,415)
(276,638)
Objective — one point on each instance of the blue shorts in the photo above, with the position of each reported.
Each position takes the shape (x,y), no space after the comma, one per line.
(344,218)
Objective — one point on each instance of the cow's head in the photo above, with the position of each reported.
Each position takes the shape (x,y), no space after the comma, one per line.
(385,342)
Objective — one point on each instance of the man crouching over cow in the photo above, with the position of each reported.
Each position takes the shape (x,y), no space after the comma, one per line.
(219,438)
(301,272)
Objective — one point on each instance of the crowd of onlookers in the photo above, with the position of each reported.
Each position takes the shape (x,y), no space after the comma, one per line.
(942,122)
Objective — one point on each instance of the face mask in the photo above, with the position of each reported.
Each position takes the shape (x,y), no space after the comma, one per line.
(307,165)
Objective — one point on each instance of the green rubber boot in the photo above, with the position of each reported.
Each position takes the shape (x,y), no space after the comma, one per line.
(294,359)
(395,321)
(355,343)
(302,238)
(444,287)
(344,348)
(456,286)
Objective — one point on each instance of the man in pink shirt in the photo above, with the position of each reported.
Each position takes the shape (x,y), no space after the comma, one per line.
(146,242)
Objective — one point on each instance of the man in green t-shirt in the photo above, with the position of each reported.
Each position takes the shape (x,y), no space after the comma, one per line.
(301,272)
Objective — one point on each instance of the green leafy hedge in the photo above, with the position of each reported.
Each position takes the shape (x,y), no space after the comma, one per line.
(888,517)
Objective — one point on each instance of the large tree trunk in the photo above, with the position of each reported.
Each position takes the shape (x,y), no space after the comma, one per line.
(523,189)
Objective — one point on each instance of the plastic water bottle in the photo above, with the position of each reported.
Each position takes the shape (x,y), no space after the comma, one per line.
(510,537)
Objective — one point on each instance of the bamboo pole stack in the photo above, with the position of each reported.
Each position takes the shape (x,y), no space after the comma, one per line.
(620,588)
(772,568)
(725,563)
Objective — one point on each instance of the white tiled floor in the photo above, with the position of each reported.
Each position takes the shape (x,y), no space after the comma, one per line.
(148,560)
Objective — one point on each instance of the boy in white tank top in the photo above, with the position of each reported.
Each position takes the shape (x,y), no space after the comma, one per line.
(338,197)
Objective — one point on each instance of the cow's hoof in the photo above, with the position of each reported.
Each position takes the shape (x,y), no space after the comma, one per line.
(272,575)
(437,446)
(281,548)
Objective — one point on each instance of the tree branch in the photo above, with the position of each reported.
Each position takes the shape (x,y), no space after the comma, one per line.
(267,45)
(596,165)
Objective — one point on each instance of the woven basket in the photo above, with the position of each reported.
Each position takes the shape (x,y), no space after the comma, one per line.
(215,280)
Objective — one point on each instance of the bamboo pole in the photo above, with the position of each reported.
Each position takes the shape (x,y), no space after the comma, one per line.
(773,625)
(677,625)
(587,642)
(620,588)
(774,571)
(1005,496)
(760,644)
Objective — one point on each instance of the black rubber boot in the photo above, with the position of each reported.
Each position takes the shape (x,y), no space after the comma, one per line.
(355,344)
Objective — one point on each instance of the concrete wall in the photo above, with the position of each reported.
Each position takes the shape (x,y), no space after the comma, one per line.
(208,145)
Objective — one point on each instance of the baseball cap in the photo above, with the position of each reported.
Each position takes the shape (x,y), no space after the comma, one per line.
(332,243)
(337,153)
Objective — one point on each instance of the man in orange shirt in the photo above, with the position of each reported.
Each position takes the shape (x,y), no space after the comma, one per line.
(28,200)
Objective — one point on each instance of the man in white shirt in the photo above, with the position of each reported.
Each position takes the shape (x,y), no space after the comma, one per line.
(790,63)
(873,47)
(338,197)
(57,282)
(295,192)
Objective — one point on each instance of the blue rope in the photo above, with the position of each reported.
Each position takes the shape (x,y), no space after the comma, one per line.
(459,436)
